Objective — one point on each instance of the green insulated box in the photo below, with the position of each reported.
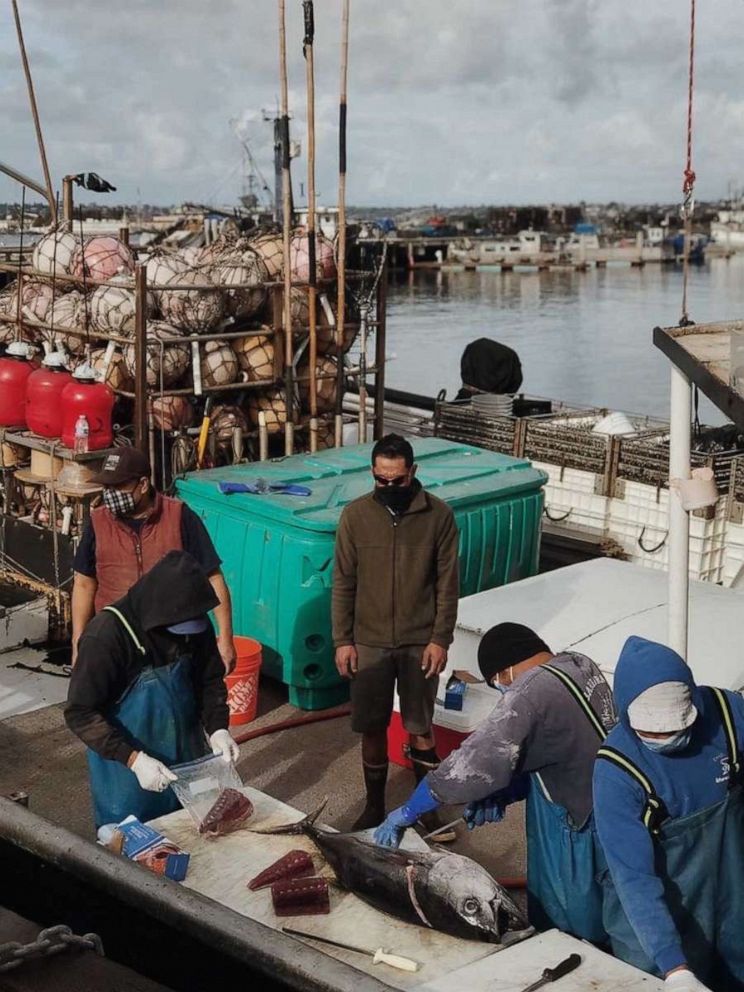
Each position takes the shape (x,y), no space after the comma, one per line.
(277,551)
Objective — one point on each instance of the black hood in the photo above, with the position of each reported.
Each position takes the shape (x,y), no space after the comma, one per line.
(174,590)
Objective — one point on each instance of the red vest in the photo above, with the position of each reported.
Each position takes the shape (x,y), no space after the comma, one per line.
(123,555)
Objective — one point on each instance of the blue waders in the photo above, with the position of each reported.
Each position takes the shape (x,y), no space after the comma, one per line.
(157,713)
(700,860)
(562,887)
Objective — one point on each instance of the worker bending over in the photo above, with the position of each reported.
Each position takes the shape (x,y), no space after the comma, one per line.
(540,741)
(670,819)
(148,683)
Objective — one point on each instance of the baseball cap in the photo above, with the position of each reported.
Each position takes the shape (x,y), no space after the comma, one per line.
(663,708)
(123,465)
(195,626)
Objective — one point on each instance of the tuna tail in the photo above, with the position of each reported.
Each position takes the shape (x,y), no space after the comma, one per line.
(299,827)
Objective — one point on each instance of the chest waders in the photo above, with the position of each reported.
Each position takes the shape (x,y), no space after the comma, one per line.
(562,886)
(700,861)
(157,714)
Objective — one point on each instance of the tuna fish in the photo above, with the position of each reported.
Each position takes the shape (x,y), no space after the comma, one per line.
(436,889)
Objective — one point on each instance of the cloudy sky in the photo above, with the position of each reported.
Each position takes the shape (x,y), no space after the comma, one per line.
(450,101)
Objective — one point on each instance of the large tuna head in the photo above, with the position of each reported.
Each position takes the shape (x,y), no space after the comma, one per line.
(475,905)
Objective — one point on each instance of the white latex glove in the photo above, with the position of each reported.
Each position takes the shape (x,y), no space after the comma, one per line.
(684,981)
(222,743)
(151,774)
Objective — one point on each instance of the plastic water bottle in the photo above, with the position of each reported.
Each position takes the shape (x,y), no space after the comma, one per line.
(82,430)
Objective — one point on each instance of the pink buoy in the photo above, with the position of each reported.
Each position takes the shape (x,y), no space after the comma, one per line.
(300,259)
(101,258)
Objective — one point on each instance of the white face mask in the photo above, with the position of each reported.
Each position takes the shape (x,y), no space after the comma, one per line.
(503,688)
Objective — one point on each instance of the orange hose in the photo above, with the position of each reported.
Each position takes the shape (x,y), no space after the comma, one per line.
(295,721)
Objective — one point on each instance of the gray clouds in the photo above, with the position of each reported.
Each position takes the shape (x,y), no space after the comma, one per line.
(450,101)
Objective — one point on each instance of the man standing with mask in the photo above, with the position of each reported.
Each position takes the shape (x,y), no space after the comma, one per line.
(395,591)
(670,819)
(148,685)
(126,536)
(539,742)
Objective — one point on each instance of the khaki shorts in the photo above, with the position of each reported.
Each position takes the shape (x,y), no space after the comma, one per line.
(372,689)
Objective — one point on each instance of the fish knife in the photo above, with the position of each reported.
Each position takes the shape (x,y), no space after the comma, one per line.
(569,964)
(378,956)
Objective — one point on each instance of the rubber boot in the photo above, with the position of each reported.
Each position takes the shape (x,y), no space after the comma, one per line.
(424,762)
(375,779)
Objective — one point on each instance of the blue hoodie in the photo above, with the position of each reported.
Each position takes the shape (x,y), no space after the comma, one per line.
(688,781)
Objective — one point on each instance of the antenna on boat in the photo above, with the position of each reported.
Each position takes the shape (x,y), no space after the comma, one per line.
(283,124)
(312,296)
(35,115)
(341,252)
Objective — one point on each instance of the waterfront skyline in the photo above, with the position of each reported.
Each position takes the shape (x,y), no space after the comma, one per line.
(453,103)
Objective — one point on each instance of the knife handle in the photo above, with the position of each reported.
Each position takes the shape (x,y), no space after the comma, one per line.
(394,961)
(571,963)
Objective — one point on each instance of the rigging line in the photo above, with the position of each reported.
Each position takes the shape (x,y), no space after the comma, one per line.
(688,183)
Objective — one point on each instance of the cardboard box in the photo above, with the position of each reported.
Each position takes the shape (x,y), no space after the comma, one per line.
(147,847)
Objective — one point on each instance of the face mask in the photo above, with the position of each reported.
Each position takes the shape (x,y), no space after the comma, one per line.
(120,504)
(668,745)
(395,498)
(503,688)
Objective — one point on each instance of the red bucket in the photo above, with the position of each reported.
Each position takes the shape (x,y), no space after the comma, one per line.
(242,683)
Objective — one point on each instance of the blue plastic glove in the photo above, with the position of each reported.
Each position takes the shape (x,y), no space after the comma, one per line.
(488,810)
(390,833)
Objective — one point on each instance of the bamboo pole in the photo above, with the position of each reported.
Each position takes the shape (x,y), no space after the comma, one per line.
(286,233)
(35,115)
(18,334)
(380,348)
(140,358)
(307,50)
(341,264)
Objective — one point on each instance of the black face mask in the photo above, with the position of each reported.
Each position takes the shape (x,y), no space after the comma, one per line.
(397,499)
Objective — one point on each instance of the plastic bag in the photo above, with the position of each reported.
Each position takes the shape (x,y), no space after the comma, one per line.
(210,790)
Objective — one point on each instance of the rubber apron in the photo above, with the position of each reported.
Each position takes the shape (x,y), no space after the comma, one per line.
(562,859)
(158,715)
(700,859)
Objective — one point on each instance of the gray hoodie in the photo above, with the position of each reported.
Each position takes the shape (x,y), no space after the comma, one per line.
(536,726)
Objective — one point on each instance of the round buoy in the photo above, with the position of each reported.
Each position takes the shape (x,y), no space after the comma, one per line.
(100,258)
(172,413)
(326,387)
(247,271)
(67,316)
(219,364)
(52,254)
(300,258)
(117,375)
(224,419)
(166,363)
(273,404)
(163,265)
(255,353)
(269,249)
(197,310)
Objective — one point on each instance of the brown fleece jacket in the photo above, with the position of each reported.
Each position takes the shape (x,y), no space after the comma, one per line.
(395,578)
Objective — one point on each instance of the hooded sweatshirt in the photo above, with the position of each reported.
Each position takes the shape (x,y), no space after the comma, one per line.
(174,590)
(688,781)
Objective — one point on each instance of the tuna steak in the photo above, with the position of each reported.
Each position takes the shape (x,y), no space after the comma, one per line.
(436,889)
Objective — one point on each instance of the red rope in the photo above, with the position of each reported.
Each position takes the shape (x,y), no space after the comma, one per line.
(689,175)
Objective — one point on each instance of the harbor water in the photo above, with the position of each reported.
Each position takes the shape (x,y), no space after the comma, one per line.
(583,337)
